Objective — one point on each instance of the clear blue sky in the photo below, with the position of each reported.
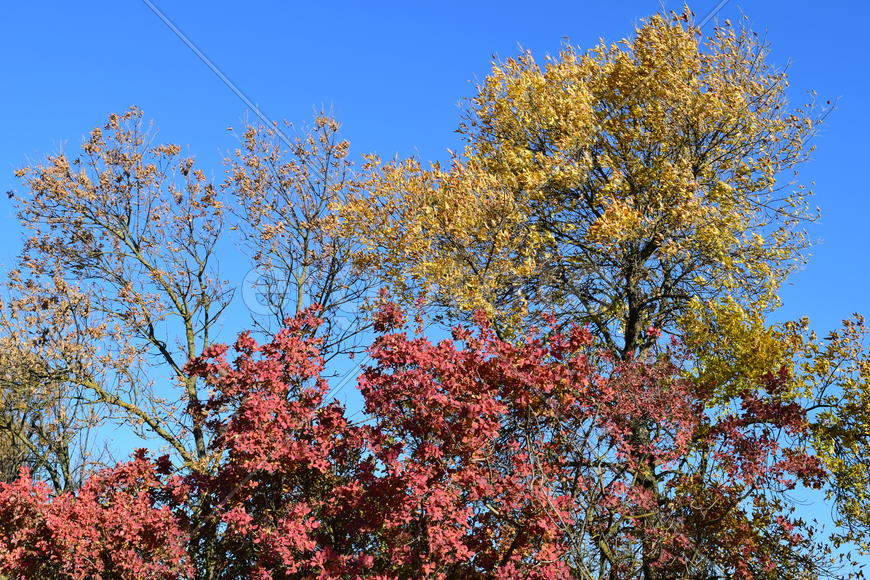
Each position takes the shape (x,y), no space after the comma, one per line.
(394,73)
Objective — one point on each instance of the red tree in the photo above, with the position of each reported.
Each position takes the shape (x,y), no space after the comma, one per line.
(477,458)
(113,527)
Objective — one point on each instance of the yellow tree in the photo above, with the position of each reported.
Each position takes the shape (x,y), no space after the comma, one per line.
(832,376)
(637,187)
(630,186)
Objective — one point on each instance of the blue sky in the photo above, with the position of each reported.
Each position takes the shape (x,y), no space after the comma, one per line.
(395,73)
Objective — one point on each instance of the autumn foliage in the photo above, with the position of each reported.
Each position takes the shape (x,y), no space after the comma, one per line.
(113,527)
(604,254)
(477,458)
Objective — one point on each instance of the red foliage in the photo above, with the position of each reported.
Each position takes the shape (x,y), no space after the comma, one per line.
(535,459)
(112,528)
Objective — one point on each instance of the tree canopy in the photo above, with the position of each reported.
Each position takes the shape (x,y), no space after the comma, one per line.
(604,253)
(632,185)
(478,458)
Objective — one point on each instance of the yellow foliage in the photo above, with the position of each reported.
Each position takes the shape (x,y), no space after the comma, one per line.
(613,186)
(448,233)
(733,347)
(833,375)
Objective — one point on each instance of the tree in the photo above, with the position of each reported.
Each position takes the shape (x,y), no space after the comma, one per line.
(480,458)
(632,185)
(639,188)
(111,528)
(136,226)
(117,288)
(46,418)
(286,198)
